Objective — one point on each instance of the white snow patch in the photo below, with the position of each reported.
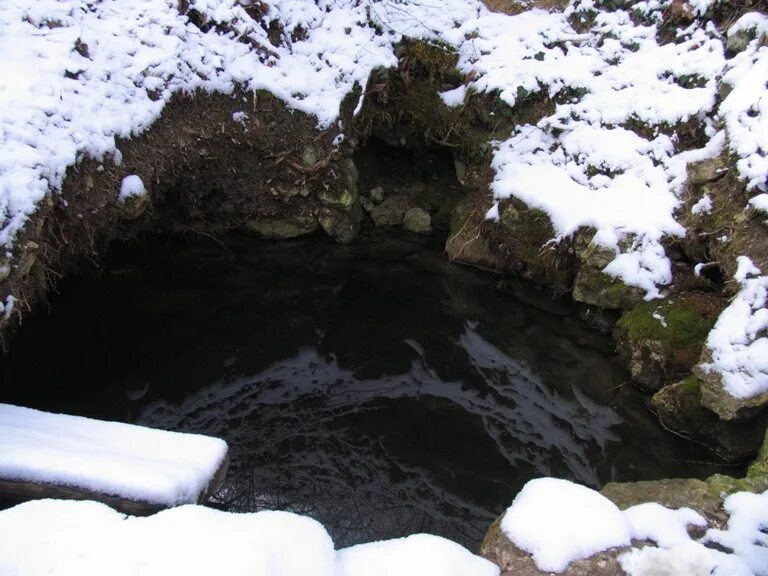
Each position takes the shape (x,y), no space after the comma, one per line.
(703,206)
(454,97)
(760,202)
(685,559)
(738,343)
(412,556)
(131,186)
(548,518)
(493,212)
(155,466)
(71,538)
(745,109)
(668,528)
(745,534)
(240,117)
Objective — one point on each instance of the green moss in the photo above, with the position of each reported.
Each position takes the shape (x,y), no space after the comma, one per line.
(691,385)
(688,319)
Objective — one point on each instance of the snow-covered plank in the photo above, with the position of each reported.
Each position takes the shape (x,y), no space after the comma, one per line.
(127,466)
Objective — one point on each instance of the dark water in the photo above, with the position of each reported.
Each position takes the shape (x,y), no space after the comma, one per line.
(375,387)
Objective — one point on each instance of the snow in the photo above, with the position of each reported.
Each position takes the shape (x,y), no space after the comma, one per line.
(70,538)
(547,519)
(131,186)
(738,343)
(703,206)
(760,202)
(412,556)
(559,522)
(745,534)
(154,466)
(745,109)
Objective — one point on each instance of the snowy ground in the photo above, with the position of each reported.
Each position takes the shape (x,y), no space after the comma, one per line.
(559,522)
(132,462)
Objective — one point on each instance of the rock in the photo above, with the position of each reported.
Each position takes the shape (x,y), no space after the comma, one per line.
(292,191)
(281,228)
(366,204)
(593,287)
(134,206)
(679,408)
(523,241)
(340,225)
(660,341)
(310,156)
(466,244)
(341,194)
(739,40)
(28,259)
(715,397)
(5,268)
(513,561)
(669,492)
(342,198)
(417,221)
(756,479)
(377,195)
(390,212)
(707,170)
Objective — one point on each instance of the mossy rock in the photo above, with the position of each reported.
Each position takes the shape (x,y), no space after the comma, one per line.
(282,228)
(756,479)
(591,285)
(679,408)
(669,492)
(523,240)
(342,198)
(417,221)
(340,225)
(715,397)
(391,211)
(661,340)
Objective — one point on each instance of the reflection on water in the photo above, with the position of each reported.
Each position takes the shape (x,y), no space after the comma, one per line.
(375,387)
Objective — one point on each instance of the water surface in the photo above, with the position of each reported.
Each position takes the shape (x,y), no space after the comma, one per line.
(375,387)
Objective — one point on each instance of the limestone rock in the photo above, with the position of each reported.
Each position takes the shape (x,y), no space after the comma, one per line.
(342,198)
(596,288)
(133,207)
(715,397)
(281,228)
(739,40)
(756,479)
(377,195)
(660,341)
(669,492)
(28,259)
(418,221)
(707,170)
(391,211)
(679,408)
(340,225)
(513,561)
(466,244)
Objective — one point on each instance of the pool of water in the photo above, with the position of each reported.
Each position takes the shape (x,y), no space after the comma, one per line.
(375,387)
